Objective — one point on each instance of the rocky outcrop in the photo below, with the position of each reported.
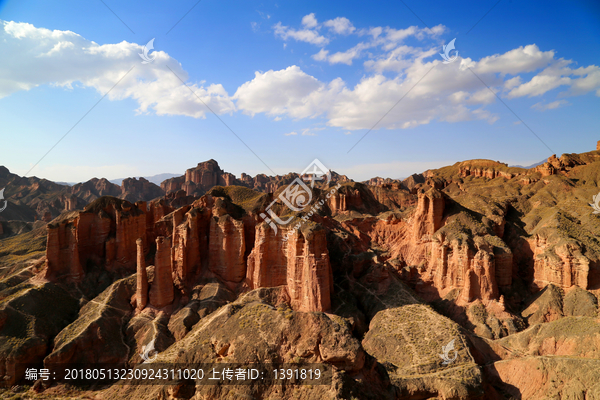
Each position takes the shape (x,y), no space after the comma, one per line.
(188,249)
(161,291)
(141,290)
(309,279)
(410,338)
(540,378)
(226,248)
(96,336)
(197,181)
(30,318)
(133,190)
(431,243)
(562,264)
(259,328)
(95,188)
(298,259)
(104,233)
(62,251)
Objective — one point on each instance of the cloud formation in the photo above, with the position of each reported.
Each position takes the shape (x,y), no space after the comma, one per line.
(393,67)
(63,58)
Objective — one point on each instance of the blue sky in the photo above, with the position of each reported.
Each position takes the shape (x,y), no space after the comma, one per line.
(294,81)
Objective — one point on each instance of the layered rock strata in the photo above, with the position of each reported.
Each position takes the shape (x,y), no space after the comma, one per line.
(142,277)
(105,233)
(301,263)
(161,292)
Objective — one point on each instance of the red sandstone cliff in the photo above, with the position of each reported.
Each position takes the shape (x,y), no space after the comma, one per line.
(104,233)
(298,259)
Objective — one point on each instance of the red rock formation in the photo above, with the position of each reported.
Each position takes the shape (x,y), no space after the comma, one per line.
(268,262)
(200,179)
(95,188)
(546,169)
(133,189)
(337,202)
(70,202)
(484,173)
(105,233)
(226,248)
(345,198)
(142,277)
(62,251)
(561,264)
(187,250)
(309,279)
(444,262)
(429,214)
(172,184)
(129,227)
(161,291)
(297,259)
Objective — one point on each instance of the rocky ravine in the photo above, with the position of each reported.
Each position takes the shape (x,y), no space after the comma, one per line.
(504,261)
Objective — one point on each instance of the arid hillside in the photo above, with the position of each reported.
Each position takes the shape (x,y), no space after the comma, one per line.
(473,281)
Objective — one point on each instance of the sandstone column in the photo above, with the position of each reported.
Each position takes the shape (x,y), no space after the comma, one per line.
(142,276)
(161,292)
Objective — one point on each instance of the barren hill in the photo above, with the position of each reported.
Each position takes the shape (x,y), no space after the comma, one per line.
(472,281)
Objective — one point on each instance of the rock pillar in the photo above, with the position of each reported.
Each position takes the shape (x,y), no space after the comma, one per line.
(161,292)
(142,277)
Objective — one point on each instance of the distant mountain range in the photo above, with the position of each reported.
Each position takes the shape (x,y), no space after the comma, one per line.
(34,199)
(529,166)
(156,179)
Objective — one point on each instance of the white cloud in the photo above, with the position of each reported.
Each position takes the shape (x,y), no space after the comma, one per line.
(398,35)
(309,21)
(432,90)
(538,85)
(340,25)
(307,34)
(512,82)
(550,106)
(445,92)
(321,55)
(590,80)
(40,56)
(374,32)
(293,92)
(291,133)
(263,15)
(391,41)
(278,92)
(522,59)
(346,57)
(311,131)
(397,59)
